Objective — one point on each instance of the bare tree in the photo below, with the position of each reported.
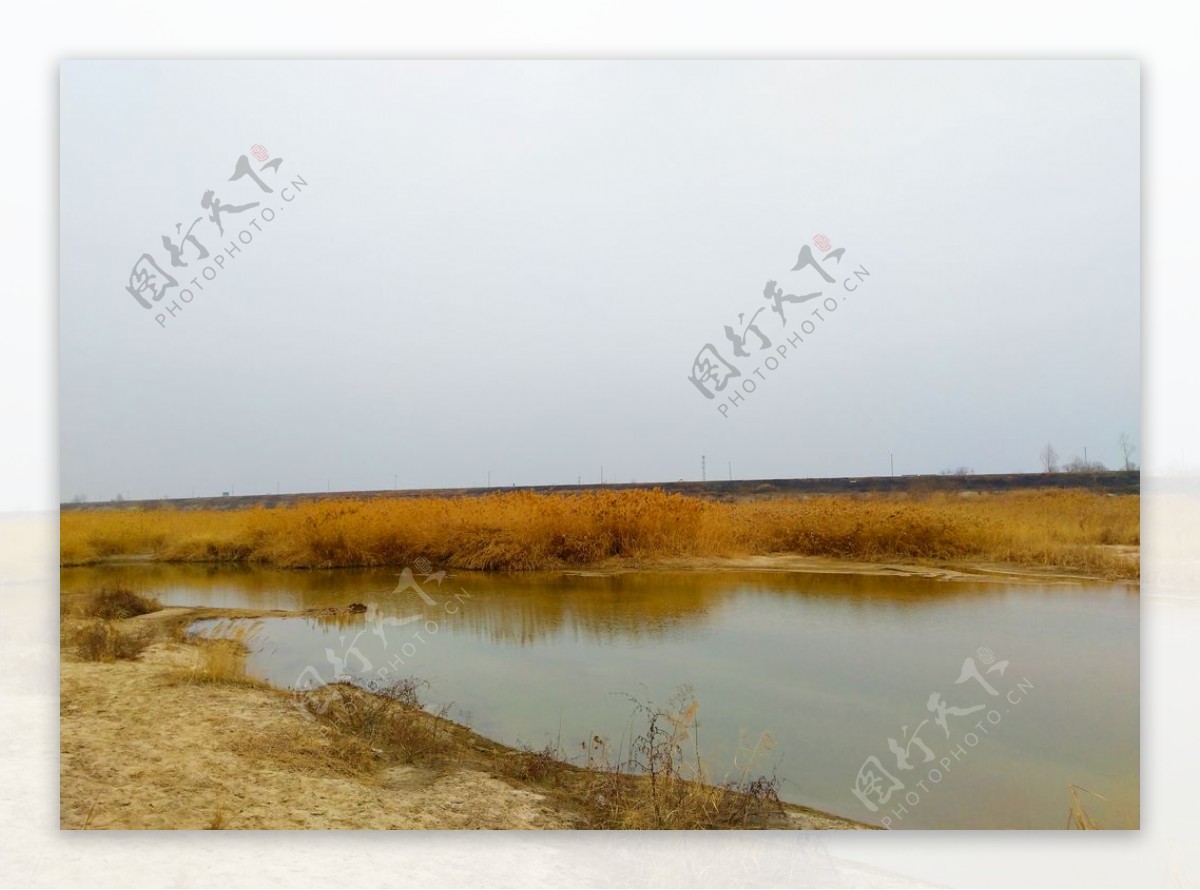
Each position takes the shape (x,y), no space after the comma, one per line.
(1128,450)
(1049,459)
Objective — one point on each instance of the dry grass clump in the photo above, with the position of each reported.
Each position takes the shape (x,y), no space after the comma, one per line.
(94,625)
(388,720)
(298,749)
(662,783)
(524,530)
(118,603)
(96,639)
(535,765)
(221,654)
(220,661)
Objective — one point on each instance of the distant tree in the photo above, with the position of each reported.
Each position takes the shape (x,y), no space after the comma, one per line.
(1049,459)
(1128,450)
(79,499)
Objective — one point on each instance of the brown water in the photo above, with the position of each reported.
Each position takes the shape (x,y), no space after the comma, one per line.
(831,666)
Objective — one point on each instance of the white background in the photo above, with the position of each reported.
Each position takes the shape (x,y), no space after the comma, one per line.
(1165,852)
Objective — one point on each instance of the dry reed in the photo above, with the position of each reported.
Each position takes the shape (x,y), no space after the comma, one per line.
(522,531)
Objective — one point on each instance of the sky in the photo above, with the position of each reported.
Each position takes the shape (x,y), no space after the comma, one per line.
(505,272)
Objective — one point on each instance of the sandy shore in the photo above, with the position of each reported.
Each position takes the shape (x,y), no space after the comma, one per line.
(142,750)
(819,565)
(142,747)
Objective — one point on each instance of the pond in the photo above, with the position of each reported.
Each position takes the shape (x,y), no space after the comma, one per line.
(896,700)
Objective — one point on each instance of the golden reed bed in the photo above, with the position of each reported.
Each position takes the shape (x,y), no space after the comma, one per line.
(1072,530)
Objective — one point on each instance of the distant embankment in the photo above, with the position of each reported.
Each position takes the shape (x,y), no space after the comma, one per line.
(1111,482)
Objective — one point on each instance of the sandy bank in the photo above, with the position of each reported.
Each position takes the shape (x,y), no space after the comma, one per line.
(145,747)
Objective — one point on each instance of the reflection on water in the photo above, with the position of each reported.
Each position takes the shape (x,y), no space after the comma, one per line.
(832,666)
(522,607)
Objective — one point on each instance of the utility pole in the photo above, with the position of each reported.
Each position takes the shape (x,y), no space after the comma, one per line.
(1086,465)
(601,474)
(703,471)
(395,476)
(892,462)
(489,478)
(731,471)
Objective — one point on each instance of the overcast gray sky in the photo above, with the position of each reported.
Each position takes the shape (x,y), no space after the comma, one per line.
(510,267)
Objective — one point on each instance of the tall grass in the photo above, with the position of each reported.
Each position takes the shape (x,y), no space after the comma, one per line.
(663,784)
(1077,816)
(658,781)
(222,653)
(524,530)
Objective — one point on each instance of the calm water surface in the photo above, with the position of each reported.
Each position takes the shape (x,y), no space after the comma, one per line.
(831,666)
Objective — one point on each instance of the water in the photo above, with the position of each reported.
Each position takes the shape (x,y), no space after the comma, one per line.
(831,666)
